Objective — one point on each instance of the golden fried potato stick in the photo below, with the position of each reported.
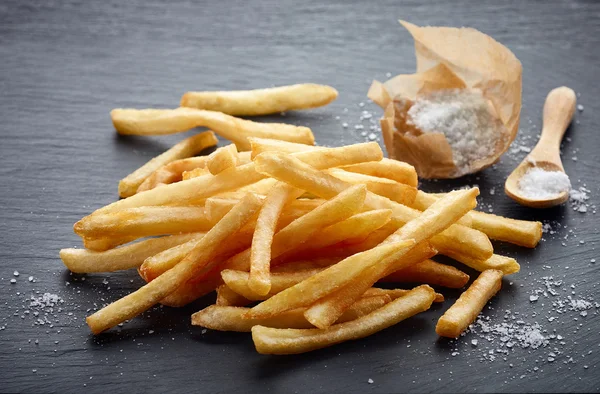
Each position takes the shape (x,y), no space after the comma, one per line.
(156,265)
(507,265)
(103,244)
(262,101)
(339,208)
(289,169)
(123,258)
(439,216)
(190,291)
(150,294)
(260,251)
(228,297)
(519,232)
(195,173)
(354,229)
(430,272)
(222,159)
(319,285)
(294,341)
(170,121)
(198,189)
(261,145)
(231,318)
(397,171)
(470,303)
(395,191)
(144,222)
(217,207)
(337,301)
(237,281)
(188,147)
(395,293)
(300,265)
(172,172)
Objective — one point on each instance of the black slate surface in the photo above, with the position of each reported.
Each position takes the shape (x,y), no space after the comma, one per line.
(65,64)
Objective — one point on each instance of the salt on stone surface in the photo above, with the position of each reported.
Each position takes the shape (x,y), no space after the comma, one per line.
(463,116)
(538,183)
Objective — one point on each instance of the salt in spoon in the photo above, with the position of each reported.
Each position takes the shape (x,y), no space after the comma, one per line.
(558,112)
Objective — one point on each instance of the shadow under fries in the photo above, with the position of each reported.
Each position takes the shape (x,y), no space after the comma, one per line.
(272,365)
(112,286)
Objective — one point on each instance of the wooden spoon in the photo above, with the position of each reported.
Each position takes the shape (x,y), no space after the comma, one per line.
(558,112)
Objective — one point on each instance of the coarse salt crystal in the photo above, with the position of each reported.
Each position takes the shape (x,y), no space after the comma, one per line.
(16,273)
(463,116)
(538,183)
(370,381)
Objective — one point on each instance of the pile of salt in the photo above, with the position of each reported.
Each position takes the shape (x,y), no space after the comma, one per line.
(463,116)
(539,184)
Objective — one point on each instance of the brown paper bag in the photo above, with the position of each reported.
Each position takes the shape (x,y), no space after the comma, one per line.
(449,58)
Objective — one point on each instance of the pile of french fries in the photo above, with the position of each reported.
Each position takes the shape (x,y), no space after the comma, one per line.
(293,238)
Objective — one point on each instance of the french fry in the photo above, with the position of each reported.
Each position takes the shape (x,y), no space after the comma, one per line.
(394,293)
(102,244)
(385,168)
(188,147)
(430,272)
(222,159)
(262,101)
(260,251)
(170,121)
(423,200)
(294,341)
(190,291)
(395,191)
(300,265)
(156,265)
(195,173)
(301,175)
(435,219)
(125,257)
(507,265)
(144,221)
(198,189)
(326,281)
(153,292)
(354,229)
(228,297)
(300,230)
(519,232)
(260,145)
(470,303)
(238,282)
(172,172)
(217,207)
(326,310)
(231,318)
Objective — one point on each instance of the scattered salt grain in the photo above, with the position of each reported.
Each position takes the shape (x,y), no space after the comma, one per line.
(538,183)
(464,118)
(580,107)
(13,281)
(16,273)
(370,381)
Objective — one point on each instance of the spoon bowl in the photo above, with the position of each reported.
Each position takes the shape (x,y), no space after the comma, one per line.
(558,112)
(512,189)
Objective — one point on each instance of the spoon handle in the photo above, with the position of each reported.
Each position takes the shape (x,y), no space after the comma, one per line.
(558,113)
